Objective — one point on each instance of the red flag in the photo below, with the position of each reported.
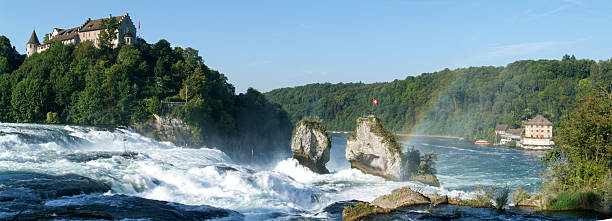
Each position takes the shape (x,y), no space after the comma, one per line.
(374,101)
(138,24)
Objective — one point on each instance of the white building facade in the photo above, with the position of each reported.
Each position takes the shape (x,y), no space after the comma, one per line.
(538,134)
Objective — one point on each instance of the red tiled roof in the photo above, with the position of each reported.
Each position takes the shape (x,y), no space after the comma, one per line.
(66,34)
(501,127)
(92,25)
(539,120)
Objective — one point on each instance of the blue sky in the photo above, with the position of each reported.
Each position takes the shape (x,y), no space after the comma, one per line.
(272,44)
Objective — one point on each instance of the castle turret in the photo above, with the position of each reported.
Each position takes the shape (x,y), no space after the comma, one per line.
(32,44)
(128,39)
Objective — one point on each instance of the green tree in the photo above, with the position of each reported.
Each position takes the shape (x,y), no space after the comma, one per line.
(583,153)
(108,32)
(28,100)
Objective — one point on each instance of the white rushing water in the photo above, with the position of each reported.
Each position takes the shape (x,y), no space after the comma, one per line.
(204,176)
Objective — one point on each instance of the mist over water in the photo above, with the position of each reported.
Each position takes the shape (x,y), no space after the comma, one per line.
(206,176)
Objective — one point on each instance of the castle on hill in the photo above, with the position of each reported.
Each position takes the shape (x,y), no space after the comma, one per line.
(89,31)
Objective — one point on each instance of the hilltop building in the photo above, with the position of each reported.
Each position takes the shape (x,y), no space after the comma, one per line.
(89,31)
(538,134)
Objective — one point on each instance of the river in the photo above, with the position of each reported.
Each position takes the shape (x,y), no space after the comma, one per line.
(206,176)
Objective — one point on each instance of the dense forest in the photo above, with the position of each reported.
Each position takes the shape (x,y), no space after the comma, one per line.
(465,102)
(87,85)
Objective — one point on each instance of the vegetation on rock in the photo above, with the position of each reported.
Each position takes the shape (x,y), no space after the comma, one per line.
(360,210)
(313,123)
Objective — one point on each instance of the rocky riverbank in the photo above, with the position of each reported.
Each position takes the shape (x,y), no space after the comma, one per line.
(405,203)
(34,196)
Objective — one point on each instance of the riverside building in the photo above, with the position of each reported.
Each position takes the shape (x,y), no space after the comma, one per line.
(538,134)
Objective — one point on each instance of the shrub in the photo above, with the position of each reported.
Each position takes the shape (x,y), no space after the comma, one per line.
(482,199)
(426,166)
(520,195)
(52,118)
(155,106)
(606,187)
(511,144)
(568,200)
(501,197)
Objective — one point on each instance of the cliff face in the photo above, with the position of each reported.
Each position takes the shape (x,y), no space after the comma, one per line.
(374,150)
(311,145)
(165,128)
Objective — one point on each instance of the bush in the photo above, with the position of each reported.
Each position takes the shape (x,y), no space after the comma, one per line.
(501,197)
(520,195)
(569,200)
(52,118)
(606,187)
(511,144)
(155,106)
(482,199)
(426,166)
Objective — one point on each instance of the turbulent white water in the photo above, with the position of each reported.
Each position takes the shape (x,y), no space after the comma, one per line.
(203,176)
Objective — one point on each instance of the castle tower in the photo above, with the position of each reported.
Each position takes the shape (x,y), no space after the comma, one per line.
(128,39)
(32,44)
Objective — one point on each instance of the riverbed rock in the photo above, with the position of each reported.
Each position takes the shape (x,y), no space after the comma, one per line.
(34,196)
(362,210)
(428,179)
(36,187)
(436,199)
(374,150)
(398,198)
(311,145)
(401,197)
(119,207)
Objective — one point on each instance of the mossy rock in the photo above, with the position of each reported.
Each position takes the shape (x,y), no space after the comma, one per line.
(378,129)
(361,210)
(428,179)
(401,197)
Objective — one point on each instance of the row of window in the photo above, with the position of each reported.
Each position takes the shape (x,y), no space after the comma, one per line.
(547,131)
(538,126)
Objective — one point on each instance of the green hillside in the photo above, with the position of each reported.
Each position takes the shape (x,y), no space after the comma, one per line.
(86,85)
(465,102)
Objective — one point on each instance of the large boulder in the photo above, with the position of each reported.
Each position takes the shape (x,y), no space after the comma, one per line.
(401,197)
(428,179)
(398,198)
(311,144)
(373,150)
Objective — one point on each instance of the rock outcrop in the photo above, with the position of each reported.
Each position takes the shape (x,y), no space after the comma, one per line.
(401,197)
(372,149)
(428,179)
(311,144)
(398,198)
(361,210)
(165,128)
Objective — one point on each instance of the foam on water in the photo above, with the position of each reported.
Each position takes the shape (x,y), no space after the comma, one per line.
(207,176)
(162,171)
